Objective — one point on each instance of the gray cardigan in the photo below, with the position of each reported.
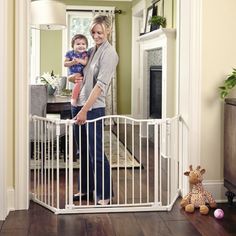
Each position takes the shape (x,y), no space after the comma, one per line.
(99,70)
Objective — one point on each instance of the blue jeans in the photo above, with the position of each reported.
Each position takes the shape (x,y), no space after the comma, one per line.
(102,164)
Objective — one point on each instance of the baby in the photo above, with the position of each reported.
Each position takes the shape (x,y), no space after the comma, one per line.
(76,60)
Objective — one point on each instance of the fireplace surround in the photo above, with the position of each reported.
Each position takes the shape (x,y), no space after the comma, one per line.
(157,48)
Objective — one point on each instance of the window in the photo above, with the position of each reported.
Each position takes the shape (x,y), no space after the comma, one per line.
(79,22)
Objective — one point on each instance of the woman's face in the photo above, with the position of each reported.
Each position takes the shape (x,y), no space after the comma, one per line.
(99,35)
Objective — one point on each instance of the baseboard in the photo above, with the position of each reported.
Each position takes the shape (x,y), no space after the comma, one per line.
(217,189)
(10,200)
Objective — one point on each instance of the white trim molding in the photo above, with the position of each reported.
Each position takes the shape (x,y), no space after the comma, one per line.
(10,199)
(138,22)
(195,80)
(217,189)
(4,109)
(22,9)
(35,55)
(189,79)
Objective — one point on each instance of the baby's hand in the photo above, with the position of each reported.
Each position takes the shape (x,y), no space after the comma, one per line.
(74,61)
(77,60)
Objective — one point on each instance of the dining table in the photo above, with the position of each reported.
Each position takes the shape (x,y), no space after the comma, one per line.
(59,105)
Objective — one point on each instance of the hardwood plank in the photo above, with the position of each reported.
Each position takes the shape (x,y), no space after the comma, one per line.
(15,232)
(152,224)
(43,223)
(174,214)
(125,224)
(17,220)
(99,224)
(72,225)
(182,228)
(1,224)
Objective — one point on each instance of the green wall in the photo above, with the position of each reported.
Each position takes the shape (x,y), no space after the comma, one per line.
(51,50)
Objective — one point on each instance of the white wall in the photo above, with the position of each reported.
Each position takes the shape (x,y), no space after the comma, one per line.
(218,58)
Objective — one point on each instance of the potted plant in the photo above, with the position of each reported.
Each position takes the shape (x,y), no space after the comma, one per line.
(51,81)
(228,84)
(157,21)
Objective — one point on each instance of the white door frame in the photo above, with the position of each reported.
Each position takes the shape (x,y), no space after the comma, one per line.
(189,76)
(4,110)
(22,77)
(14,197)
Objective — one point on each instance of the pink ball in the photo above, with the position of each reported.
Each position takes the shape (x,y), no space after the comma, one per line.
(219,213)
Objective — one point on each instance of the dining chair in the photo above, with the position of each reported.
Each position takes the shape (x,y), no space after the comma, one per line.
(38,106)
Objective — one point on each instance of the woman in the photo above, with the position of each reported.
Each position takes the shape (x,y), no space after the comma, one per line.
(91,104)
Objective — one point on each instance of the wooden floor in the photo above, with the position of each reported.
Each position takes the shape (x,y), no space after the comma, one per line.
(40,221)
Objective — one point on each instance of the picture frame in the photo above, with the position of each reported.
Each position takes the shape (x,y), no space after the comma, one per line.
(148,16)
(159,4)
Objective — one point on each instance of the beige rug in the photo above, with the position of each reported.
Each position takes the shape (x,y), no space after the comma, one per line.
(119,156)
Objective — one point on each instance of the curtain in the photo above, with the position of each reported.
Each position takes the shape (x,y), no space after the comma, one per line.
(111,98)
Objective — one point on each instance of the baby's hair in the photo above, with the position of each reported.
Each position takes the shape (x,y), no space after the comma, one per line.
(102,20)
(78,36)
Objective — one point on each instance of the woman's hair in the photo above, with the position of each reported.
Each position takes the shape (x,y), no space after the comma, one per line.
(78,36)
(102,20)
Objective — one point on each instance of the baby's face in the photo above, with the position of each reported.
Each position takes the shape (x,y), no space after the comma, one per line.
(80,45)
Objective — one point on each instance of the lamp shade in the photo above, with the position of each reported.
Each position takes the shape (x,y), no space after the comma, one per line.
(48,15)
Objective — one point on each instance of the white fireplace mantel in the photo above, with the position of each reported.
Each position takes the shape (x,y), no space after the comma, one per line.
(162,32)
(163,39)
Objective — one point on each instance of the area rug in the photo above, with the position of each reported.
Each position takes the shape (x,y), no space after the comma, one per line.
(120,157)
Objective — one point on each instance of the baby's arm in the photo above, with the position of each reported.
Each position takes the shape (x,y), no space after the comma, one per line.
(69,63)
(82,61)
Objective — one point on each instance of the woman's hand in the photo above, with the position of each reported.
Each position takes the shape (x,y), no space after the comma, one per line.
(81,117)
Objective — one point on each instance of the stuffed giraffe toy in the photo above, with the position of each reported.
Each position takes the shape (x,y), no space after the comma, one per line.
(198,197)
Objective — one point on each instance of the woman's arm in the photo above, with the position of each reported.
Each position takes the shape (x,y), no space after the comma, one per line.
(81,117)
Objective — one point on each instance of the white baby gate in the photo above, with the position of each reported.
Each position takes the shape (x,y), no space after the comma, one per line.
(144,165)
